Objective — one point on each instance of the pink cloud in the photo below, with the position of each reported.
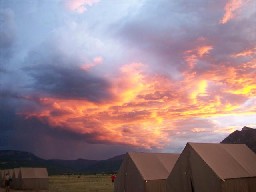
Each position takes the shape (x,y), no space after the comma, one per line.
(79,6)
(245,53)
(230,10)
(192,56)
(96,61)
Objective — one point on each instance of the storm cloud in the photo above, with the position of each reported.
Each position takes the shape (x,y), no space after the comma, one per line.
(58,77)
(7,38)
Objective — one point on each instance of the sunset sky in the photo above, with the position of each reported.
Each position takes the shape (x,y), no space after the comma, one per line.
(97,78)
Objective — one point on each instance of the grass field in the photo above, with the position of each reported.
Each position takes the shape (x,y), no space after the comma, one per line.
(73,183)
(88,183)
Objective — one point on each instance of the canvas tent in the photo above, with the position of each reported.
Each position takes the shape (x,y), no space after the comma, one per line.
(144,172)
(33,178)
(1,177)
(214,168)
(15,184)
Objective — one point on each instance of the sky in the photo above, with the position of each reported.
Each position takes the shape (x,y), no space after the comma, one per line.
(97,78)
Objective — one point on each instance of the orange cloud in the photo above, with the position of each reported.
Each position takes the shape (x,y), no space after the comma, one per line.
(199,90)
(192,56)
(145,106)
(113,121)
(230,8)
(245,53)
(240,81)
(79,6)
(203,50)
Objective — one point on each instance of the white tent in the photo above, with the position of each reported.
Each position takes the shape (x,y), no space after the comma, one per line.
(1,177)
(208,167)
(144,172)
(15,180)
(33,178)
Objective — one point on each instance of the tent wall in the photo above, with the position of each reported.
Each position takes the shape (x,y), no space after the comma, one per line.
(128,178)
(133,180)
(192,174)
(179,178)
(15,179)
(202,177)
(34,184)
(27,184)
(1,177)
(41,175)
(120,178)
(239,185)
(33,178)
(252,184)
(43,184)
(156,185)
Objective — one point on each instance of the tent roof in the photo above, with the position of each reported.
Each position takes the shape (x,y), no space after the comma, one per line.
(41,173)
(16,172)
(33,173)
(227,160)
(153,166)
(27,173)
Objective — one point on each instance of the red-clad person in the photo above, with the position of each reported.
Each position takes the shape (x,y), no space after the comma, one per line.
(113,177)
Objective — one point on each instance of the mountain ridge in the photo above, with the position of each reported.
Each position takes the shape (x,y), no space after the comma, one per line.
(13,158)
(247,136)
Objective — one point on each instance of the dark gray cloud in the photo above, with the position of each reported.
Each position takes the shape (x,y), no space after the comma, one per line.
(55,74)
(68,83)
(7,36)
(7,29)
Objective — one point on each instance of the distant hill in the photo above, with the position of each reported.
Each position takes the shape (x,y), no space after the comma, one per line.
(107,166)
(246,136)
(9,155)
(11,159)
